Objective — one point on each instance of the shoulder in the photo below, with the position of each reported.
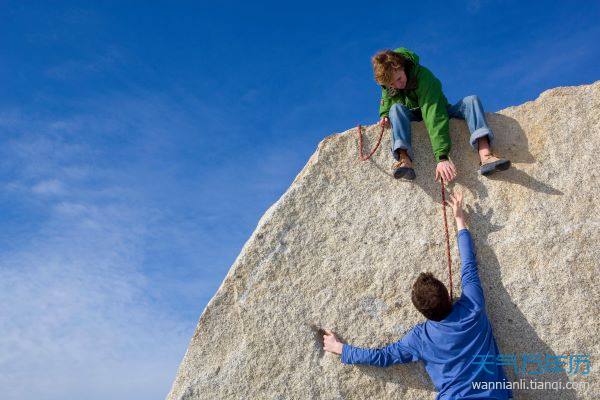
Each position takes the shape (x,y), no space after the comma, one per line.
(467,308)
(425,74)
(416,330)
(427,82)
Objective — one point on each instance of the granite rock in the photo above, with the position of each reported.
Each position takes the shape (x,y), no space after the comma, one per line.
(341,248)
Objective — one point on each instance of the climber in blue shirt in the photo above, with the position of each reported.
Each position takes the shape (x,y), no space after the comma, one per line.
(456,343)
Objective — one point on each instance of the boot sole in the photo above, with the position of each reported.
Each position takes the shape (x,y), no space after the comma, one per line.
(500,165)
(405,173)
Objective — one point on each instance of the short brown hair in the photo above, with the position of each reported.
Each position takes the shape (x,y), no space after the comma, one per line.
(430,297)
(384,64)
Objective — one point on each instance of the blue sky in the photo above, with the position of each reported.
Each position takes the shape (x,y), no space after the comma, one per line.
(140,142)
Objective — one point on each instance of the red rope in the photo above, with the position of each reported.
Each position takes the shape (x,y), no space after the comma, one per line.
(360,144)
(447,236)
(362,157)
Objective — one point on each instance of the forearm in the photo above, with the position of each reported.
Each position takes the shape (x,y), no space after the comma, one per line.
(384,104)
(384,108)
(460,222)
(466,248)
(471,285)
(357,355)
(436,121)
(395,353)
(435,115)
(440,140)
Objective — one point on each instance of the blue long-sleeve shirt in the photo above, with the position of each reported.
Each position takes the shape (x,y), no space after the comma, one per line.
(456,351)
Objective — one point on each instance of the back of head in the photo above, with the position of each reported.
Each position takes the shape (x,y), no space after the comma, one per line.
(430,297)
(384,64)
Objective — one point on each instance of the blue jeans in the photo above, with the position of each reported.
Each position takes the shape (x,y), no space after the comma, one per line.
(468,108)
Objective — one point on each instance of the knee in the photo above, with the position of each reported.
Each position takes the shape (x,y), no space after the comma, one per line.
(398,108)
(471,99)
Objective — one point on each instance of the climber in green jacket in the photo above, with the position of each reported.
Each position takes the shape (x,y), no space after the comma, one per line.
(410,92)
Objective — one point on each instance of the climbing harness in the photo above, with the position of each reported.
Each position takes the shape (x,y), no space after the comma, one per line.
(362,157)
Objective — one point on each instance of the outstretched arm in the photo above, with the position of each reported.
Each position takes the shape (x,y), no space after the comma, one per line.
(471,285)
(435,116)
(403,351)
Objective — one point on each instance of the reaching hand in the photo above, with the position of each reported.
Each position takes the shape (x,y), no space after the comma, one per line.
(446,170)
(385,122)
(331,343)
(456,202)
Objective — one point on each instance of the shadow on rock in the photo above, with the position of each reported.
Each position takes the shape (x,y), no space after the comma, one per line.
(513,332)
(510,142)
(519,177)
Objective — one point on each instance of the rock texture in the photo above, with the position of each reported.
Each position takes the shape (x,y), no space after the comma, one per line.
(341,248)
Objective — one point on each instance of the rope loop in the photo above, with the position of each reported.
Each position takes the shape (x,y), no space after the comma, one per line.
(361,156)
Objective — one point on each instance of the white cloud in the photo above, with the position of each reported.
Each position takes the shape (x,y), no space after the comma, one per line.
(48,187)
(86,310)
(77,323)
(78,314)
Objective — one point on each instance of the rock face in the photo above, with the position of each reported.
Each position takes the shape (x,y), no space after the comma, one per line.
(341,248)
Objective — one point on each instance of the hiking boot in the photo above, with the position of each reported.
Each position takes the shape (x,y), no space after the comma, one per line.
(403,169)
(492,163)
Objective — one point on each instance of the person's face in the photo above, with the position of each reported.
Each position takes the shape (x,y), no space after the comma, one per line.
(398,79)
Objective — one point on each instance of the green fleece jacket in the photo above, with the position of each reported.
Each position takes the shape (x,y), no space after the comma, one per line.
(423,91)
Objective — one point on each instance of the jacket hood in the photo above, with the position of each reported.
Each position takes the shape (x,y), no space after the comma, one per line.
(410,55)
(411,75)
